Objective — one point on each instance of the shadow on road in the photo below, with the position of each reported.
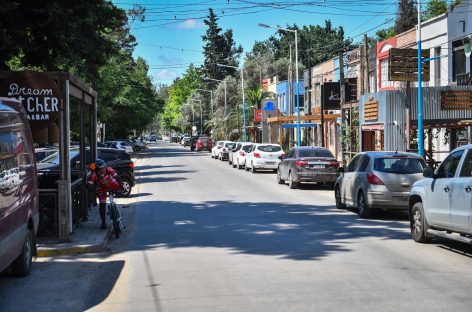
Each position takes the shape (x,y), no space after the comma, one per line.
(299,232)
(154,172)
(140,168)
(96,279)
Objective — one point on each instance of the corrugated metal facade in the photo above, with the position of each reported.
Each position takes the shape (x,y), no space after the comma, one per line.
(392,109)
(432,104)
(391,114)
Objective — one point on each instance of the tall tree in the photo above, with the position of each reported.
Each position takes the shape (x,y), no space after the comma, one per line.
(407,16)
(218,48)
(434,8)
(62,35)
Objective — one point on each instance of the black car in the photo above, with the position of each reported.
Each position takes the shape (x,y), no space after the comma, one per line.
(119,160)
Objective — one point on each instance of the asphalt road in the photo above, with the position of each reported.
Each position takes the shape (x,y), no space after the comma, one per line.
(206,237)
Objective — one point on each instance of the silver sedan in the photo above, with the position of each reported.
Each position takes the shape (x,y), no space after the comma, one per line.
(378,180)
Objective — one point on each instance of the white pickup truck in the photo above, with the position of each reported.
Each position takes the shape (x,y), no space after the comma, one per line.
(441,204)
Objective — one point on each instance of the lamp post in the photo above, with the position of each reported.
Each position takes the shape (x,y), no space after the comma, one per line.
(201,114)
(211,98)
(242,89)
(420,90)
(296,73)
(224,81)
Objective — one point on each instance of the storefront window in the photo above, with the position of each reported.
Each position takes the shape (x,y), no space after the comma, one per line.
(458,59)
(384,83)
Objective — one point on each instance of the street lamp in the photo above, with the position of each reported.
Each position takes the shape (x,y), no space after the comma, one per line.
(201,114)
(296,71)
(206,78)
(211,98)
(242,89)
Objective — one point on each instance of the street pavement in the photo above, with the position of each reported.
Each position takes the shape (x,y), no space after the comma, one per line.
(203,236)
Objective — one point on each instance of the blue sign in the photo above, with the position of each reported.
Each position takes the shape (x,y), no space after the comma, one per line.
(269,106)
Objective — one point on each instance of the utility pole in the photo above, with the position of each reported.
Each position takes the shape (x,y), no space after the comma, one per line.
(342,92)
(366,66)
(290,95)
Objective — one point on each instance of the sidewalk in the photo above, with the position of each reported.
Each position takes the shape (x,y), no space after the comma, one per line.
(86,238)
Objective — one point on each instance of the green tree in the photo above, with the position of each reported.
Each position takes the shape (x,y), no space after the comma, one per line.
(407,16)
(218,48)
(384,34)
(127,99)
(62,35)
(434,8)
(179,93)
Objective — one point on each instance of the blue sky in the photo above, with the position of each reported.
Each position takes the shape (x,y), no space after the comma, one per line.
(170,37)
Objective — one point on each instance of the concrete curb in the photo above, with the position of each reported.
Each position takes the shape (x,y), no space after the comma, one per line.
(72,249)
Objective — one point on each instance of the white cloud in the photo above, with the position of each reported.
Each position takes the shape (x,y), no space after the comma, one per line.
(166,74)
(190,24)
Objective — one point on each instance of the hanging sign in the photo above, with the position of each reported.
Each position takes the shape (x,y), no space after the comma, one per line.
(39,95)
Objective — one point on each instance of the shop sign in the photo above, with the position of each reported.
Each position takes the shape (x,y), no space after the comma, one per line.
(257,115)
(39,95)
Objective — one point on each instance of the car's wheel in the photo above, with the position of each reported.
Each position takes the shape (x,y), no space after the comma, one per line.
(330,185)
(279,178)
(21,266)
(362,209)
(234,165)
(292,184)
(418,224)
(253,169)
(229,161)
(126,183)
(337,196)
(246,168)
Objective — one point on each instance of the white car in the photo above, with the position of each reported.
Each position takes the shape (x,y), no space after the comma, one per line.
(441,204)
(263,156)
(238,158)
(215,150)
(120,145)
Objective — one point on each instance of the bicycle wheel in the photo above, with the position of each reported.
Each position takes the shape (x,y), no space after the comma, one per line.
(115,215)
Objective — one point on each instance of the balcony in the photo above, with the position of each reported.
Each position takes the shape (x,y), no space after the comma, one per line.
(464,79)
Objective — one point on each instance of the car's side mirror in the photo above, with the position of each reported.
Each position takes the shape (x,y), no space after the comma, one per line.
(281,157)
(428,172)
(341,170)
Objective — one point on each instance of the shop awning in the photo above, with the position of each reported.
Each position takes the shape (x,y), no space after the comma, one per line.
(373,127)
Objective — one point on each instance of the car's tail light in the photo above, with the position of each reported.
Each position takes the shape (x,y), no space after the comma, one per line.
(300,163)
(257,155)
(334,164)
(373,179)
(241,153)
(132,165)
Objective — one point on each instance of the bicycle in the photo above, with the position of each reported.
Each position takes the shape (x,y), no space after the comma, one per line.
(115,215)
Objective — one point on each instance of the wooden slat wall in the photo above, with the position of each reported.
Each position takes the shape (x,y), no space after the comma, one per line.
(403,65)
(456,100)
(371,110)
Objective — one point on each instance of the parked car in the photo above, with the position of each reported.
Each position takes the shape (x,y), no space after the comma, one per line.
(152,138)
(237,146)
(215,151)
(185,141)
(263,156)
(223,153)
(43,152)
(378,180)
(441,203)
(19,216)
(308,164)
(203,143)
(120,145)
(239,157)
(119,160)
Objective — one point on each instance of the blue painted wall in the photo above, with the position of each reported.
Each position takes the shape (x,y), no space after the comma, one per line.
(282,95)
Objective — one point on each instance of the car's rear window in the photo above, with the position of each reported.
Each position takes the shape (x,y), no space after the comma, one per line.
(230,145)
(403,165)
(315,153)
(269,148)
(246,148)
